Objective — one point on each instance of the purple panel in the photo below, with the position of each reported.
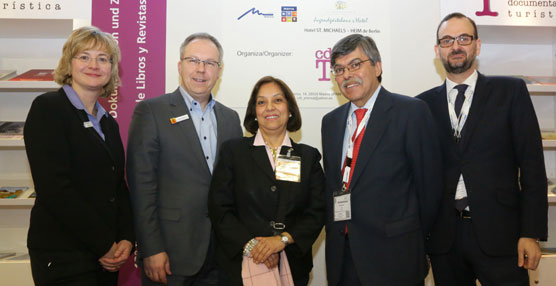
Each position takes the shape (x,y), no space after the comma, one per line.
(140,28)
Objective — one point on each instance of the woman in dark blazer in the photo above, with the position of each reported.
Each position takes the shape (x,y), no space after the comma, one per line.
(248,204)
(81,228)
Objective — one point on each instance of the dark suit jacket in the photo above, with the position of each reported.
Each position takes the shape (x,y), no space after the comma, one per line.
(244,198)
(395,191)
(169,180)
(501,158)
(82,205)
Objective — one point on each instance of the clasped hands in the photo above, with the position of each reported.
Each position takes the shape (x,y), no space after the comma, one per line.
(116,256)
(267,250)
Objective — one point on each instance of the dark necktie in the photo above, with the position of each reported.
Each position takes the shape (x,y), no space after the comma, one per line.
(460,204)
(460,98)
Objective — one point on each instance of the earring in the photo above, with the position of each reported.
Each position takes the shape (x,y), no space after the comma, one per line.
(290,115)
(255,118)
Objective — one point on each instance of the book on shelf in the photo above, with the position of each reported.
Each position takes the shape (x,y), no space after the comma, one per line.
(6,254)
(14,192)
(19,257)
(552,186)
(11,129)
(35,75)
(542,80)
(548,135)
(527,80)
(5,74)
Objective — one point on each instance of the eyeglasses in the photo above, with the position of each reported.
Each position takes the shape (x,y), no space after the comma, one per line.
(338,70)
(101,60)
(210,64)
(463,40)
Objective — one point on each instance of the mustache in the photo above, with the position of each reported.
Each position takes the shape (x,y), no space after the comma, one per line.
(353,80)
(457,52)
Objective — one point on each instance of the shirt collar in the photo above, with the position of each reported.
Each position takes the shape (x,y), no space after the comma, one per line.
(78,104)
(259,140)
(471,81)
(189,100)
(369,103)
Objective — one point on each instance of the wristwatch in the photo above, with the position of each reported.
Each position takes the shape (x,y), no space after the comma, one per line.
(284,239)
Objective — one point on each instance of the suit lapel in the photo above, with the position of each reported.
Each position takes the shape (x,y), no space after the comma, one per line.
(440,104)
(259,155)
(92,133)
(286,187)
(222,127)
(187,128)
(376,126)
(336,138)
(476,111)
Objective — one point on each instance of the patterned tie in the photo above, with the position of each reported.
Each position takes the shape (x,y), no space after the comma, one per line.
(359,113)
(460,98)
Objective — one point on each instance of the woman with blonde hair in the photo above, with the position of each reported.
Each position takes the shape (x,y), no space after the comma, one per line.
(81,228)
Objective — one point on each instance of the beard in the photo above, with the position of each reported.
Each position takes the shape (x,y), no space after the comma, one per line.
(457,68)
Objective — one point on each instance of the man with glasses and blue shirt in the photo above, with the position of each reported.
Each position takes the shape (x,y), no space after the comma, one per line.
(494,209)
(173,145)
(382,161)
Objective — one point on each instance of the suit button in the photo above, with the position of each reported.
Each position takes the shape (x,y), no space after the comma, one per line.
(273,189)
(207,214)
(112,199)
(113,168)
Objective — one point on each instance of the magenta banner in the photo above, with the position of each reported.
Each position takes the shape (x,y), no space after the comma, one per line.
(140,29)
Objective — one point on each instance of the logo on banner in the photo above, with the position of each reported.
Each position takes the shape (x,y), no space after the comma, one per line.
(341,5)
(486,10)
(322,62)
(289,13)
(254,11)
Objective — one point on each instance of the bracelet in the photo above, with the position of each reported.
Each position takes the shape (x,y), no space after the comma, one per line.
(249,247)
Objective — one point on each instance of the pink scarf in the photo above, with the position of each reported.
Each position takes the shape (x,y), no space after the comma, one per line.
(259,275)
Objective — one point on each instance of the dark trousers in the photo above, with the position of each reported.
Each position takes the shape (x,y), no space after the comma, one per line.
(207,275)
(466,262)
(68,268)
(349,276)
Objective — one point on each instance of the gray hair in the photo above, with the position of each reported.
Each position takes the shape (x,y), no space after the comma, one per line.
(349,43)
(203,36)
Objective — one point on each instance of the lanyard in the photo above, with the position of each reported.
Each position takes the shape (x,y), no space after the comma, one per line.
(459,121)
(357,132)
(349,155)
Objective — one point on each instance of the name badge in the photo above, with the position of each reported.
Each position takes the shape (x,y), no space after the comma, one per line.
(87,124)
(288,168)
(175,120)
(342,206)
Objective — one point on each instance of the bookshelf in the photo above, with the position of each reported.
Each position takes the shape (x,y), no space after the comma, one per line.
(27,43)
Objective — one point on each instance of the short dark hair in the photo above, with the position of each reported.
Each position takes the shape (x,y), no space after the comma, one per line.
(202,36)
(250,122)
(349,43)
(459,16)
